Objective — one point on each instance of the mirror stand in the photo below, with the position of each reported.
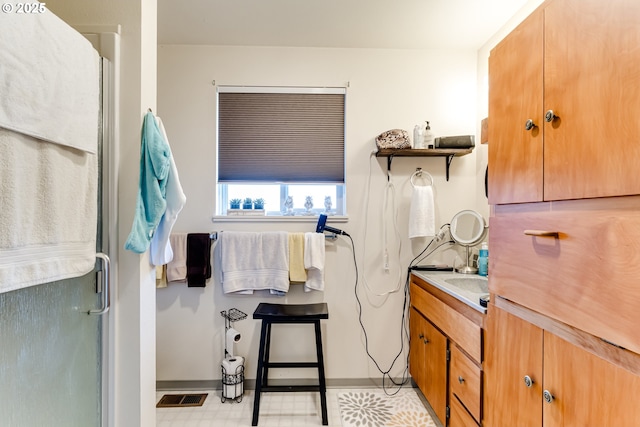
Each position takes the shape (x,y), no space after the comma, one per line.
(466,269)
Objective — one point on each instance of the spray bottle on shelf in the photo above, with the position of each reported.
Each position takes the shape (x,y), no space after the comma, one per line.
(483,260)
(429,139)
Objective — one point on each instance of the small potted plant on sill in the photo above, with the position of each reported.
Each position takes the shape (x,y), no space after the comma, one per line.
(258,203)
(247,204)
(235,203)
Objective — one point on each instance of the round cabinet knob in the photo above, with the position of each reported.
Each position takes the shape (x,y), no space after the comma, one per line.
(550,116)
(426,341)
(529,124)
(421,336)
(460,380)
(548,397)
(528,381)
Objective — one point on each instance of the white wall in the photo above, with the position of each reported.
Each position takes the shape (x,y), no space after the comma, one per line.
(387,89)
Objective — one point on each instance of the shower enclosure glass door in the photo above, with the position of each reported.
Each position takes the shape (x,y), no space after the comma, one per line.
(50,357)
(53,352)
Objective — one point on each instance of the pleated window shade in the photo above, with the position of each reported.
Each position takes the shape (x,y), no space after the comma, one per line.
(281,137)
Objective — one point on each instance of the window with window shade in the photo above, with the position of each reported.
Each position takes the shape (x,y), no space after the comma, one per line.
(281,135)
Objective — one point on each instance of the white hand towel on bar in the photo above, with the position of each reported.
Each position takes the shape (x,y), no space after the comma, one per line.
(254,261)
(422,212)
(314,256)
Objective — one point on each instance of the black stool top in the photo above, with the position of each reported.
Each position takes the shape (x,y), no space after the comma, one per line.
(292,312)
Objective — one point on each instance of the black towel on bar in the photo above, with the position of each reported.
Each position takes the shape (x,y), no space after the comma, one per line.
(198,259)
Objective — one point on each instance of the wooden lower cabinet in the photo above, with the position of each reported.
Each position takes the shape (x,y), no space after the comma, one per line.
(428,362)
(445,354)
(464,383)
(568,385)
(459,417)
(513,350)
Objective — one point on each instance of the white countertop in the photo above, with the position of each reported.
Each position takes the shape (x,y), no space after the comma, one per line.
(467,288)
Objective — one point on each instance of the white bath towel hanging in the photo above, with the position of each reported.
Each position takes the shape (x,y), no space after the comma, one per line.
(49,80)
(422,210)
(49,103)
(48,211)
(161,250)
(253,261)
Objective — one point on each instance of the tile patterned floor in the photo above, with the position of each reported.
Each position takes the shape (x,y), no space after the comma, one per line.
(276,410)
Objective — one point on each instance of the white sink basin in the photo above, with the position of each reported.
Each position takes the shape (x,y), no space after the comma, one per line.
(471,284)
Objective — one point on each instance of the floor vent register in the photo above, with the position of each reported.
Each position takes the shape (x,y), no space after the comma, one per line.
(181,400)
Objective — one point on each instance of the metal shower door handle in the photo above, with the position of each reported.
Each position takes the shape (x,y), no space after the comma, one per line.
(106,270)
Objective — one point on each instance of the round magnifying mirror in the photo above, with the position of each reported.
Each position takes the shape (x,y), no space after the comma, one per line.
(468,228)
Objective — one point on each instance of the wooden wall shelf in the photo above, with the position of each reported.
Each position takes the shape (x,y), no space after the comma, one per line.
(449,153)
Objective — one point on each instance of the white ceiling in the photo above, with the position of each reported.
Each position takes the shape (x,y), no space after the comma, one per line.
(394,24)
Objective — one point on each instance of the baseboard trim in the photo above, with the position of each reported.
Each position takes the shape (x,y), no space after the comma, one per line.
(251,384)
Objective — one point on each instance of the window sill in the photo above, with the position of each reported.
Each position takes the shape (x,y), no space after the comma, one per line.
(277,218)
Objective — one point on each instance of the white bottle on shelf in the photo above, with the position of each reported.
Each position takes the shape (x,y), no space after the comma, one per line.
(418,136)
(429,139)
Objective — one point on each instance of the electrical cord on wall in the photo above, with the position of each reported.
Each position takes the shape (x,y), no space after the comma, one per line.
(403,332)
(388,188)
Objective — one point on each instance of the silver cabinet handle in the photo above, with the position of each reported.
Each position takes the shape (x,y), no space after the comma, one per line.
(460,379)
(548,397)
(106,270)
(550,116)
(529,124)
(528,381)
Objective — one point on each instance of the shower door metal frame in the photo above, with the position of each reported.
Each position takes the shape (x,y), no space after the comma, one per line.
(105,235)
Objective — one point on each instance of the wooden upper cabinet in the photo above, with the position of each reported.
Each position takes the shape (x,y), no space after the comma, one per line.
(515,96)
(578,59)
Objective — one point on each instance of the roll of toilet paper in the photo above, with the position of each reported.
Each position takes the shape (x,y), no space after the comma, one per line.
(233,380)
(232,337)
(231,365)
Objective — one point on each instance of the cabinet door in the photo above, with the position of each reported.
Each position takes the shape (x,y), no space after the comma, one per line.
(417,348)
(587,390)
(591,82)
(515,96)
(428,362)
(513,350)
(586,276)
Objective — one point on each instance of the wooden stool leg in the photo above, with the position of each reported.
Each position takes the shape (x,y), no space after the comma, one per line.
(267,349)
(259,374)
(323,385)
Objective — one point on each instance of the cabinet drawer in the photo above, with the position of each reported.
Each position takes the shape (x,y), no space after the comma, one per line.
(584,276)
(464,381)
(455,325)
(459,417)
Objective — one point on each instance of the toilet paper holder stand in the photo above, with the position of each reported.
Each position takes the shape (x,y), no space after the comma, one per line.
(232,366)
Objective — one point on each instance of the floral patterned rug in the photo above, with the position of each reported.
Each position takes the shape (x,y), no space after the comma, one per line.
(376,409)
